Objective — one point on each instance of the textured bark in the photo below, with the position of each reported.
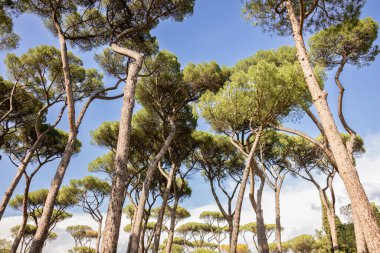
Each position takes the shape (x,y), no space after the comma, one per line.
(262,242)
(117,196)
(43,225)
(169,241)
(160,218)
(359,236)
(346,168)
(97,247)
(20,232)
(134,238)
(278,219)
(43,228)
(239,200)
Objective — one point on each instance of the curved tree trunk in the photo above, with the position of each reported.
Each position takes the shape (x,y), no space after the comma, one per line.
(346,168)
(239,200)
(117,196)
(160,218)
(134,238)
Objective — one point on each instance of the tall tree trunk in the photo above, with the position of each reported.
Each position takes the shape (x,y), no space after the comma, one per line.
(136,228)
(99,236)
(43,226)
(117,196)
(239,200)
(160,218)
(278,220)
(346,168)
(256,204)
(359,236)
(169,242)
(21,230)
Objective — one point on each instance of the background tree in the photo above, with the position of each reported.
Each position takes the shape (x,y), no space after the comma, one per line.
(251,228)
(274,87)
(217,224)
(302,243)
(285,16)
(220,162)
(82,235)
(8,39)
(27,236)
(90,193)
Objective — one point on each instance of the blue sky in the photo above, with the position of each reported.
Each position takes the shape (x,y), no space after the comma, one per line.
(216,31)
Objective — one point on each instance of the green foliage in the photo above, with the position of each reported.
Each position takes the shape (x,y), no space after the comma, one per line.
(5,245)
(88,24)
(36,201)
(8,39)
(273,247)
(350,41)
(175,248)
(302,243)
(217,157)
(193,227)
(106,135)
(272,15)
(82,249)
(104,164)
(52,145)
(260,92)
(82,234)
(203,250)
(48,85)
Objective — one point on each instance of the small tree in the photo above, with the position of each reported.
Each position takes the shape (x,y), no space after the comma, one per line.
(82,235)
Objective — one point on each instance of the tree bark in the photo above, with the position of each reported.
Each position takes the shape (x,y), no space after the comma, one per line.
(43,226)
(160,218)
(359,236)
(20,232)
(117,196)
(169,242)
(346,168)
(278,220)
(99,236)
(21,169)
(239,201)
(262,241)
(134,238)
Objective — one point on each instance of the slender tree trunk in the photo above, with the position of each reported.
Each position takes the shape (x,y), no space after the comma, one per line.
(346,168)
(160,218)
(278,220)
(239,200)
(136,228)
(117,196)
(169,241)
(359,236)
(20,232)
(256,204)
(97,247)
(21,169)
(43,226)
(330,213)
